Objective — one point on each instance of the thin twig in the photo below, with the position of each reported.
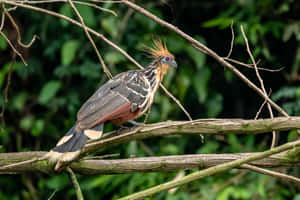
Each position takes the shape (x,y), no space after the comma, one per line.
(26,162)
(13,48)
(261,84)
(105,69)
(206,50)
(272,173)
(52,195)
(102,157)
(2,17)
(75,184)
(8,83)
(176,101)
(232,40)
(251,65)
(11,19)
(98,35)
(261,107)
(208,172)
(75,2)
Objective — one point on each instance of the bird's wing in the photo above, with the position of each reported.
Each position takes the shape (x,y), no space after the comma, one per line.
(118,98)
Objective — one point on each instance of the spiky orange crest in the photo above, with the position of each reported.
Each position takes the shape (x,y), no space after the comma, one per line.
(159,50)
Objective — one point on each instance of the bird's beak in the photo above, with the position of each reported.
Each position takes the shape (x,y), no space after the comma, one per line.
(173,64)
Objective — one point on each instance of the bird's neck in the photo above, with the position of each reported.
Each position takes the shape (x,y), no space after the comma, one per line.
(155,73)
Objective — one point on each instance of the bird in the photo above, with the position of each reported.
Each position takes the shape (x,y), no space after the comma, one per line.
(125,97)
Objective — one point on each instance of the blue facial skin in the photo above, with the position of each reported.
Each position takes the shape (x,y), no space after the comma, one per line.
(168,60)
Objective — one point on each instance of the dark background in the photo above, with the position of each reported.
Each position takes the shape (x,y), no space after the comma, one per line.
(63,71)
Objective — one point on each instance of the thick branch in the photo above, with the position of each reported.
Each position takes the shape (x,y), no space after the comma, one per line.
(146,164)
(210,171)
(201,126)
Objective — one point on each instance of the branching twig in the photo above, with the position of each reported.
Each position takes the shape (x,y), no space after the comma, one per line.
(261,107)
(75,184)
(272,173)
(11,19)
(209,172)
(8,83)
(206,50)
(94,33)
(75,2)
(251,65)
(105,69)
(232,41)
(13,48)
(209,126)
(261,83)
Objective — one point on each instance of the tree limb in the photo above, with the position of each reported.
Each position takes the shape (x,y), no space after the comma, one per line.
(143,164)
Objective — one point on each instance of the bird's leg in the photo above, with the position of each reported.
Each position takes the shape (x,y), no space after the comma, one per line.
(135,123)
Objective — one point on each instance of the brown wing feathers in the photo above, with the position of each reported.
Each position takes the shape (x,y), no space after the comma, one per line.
(127,96)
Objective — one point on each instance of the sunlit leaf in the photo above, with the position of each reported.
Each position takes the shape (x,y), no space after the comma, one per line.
(49,91)
(68,51)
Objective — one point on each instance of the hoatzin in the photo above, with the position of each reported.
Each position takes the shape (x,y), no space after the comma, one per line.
(125,97)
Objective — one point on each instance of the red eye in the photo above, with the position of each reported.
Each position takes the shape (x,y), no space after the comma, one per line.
(167,58)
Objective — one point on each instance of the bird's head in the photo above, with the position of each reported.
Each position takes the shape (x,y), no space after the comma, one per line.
(161,55)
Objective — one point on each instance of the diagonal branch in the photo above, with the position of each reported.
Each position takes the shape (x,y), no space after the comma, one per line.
(208,126)
(272,173)
(96,34)
(206,50)
(209,172)
(261,83)
(105,69)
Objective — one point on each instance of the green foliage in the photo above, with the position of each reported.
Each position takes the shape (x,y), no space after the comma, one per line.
(63,71)
(68,51)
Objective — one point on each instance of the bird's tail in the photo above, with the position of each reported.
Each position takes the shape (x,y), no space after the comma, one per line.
(69,146)
(71,142)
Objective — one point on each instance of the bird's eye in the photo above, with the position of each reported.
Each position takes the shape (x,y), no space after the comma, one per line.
(167,58)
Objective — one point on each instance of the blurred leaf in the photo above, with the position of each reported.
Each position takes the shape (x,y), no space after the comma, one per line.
(38,127)
(87,13)
(68,51)
(286,92)
(49,91)
(184,82)
(132,148)
(296,197)
(218,22)
(214,105)
(110,25)
(200,83)
(5,69)
(26,123)
(113,57)
(290,29)
(165,107)
(198,57)
(57,182)
(176,43)
(171,149)
(208,147)
(66,10)
(3,43)
(19,101)
(90,70)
